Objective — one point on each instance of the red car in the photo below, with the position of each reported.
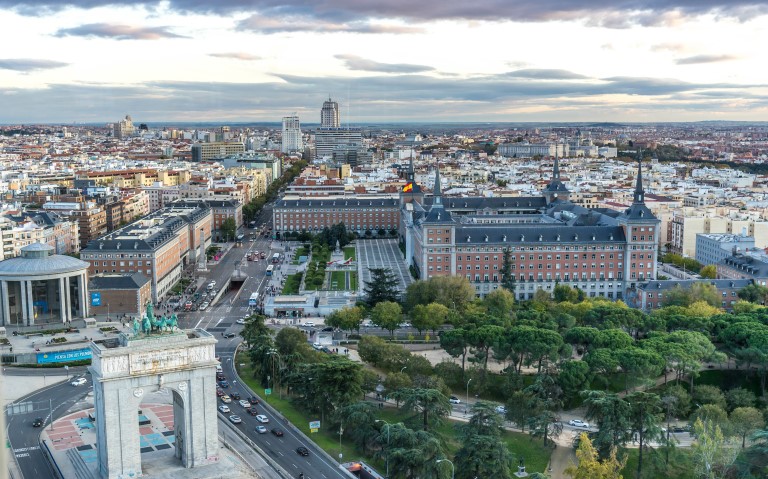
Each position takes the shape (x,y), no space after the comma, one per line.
(219,392)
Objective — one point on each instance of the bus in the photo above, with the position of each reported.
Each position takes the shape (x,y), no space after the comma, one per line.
(270,269)
(253,300)
(276,258)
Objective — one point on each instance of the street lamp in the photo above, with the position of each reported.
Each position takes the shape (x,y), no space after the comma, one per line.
(280,361)
(466,405)
(403,369)
(385,422)
(451,463)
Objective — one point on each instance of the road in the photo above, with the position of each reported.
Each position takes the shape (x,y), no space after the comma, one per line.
(25,439)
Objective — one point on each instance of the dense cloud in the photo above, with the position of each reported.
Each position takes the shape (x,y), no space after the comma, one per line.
(118,32)
(380,98)
(27,65)
(698,59)
(620,13)
(235,56)
(354,62)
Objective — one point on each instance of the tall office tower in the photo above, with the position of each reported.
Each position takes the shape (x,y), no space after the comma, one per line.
(329,115)
(292,134)
(124,128)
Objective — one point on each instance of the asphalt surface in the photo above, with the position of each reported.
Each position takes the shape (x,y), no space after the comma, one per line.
(24,438)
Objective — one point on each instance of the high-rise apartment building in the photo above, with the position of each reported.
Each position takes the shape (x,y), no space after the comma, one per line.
(292,134)
(124,128)
(329,115)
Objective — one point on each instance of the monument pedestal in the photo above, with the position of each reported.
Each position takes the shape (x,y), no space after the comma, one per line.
(521,472)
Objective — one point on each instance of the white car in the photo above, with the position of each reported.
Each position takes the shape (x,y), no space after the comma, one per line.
(405,325)
(79,382)
(309,323)
(213,282)
(262,418)
(224,408)
(578,423)
(261,429)
(240,321)
(244,403)
(235,419)
(203,306)
(454,400)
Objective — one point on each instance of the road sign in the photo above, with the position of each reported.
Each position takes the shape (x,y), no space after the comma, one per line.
(313,430)
(267,391)
(314,424)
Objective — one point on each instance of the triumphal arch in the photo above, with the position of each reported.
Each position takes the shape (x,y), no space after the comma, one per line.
(155,355)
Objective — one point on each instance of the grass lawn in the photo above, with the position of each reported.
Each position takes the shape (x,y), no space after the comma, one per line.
(353,281)
(300,251)
(680,466)
(350,252)
(340,278)
(292,284)
(535,454)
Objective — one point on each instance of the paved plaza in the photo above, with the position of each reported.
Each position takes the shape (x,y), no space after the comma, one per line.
(382,253)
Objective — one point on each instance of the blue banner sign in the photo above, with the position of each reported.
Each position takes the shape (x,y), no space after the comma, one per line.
(63,356)
(95,299)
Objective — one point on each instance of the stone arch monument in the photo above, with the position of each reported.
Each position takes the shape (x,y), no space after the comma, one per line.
(133,365)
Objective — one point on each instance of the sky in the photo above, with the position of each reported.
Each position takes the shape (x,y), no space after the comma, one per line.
(67,61)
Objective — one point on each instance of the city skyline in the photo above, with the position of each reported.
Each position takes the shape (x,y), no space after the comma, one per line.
(240,61)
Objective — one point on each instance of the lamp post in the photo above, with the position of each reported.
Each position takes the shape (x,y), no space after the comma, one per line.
(466,405)
(403,369)
(387,460)
(451,463)
(280,360)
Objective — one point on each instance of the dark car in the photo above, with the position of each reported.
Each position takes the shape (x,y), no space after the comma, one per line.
(252,411)
(220,377)
(279,433)
(253,400)
(302,451)
(219,392)
(235,396)
(223,384)
(39,422)
(229,335)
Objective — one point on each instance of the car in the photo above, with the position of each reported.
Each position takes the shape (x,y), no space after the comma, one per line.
(229,335)
(244,403)
(578,423)
(235,396)
(79,382)
(262,418)
(219,392)
(220,377)
(212,282)
(234,419)
(218,367)
(309,324)
(224,409)
(253,400)
(252,411)
(277,432)
(501,409)
(454,400)
(226,399)
(203,306)
(261,429)
(39,422)
(240,321)
(679,429)
(223,384)
(302,451)
(405,325)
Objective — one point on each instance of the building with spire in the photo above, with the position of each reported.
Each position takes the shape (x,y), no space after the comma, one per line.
(344,144)
(604,252)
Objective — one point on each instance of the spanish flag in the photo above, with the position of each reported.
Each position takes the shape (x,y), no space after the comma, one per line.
(408,187)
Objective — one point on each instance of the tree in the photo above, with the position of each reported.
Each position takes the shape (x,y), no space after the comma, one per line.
(574,377)
(638,363)
(754,293)
(714,414)
(387,315)
(612,414)
(411,453)
(455,342)
(346,318)
(707,394)
(359,421)
(382,287)
(483,339)
(483,453)
(712,452)
(290,341)
(739,397)
(328,385)
(500,303)
(507,276)
(546,398)
(699,291)
(745,421)
(453,292)
(431,404)
(708,272)
(228,228)
(589,464)
(396,381)
(431,316)
(644,418)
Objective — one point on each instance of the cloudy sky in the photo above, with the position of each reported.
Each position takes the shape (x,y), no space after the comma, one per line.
(383,60)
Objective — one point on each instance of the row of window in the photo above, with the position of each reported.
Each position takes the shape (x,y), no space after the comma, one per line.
(122,263)
(96,271)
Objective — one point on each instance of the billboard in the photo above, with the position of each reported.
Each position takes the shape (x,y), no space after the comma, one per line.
(95,299)
(64,356)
